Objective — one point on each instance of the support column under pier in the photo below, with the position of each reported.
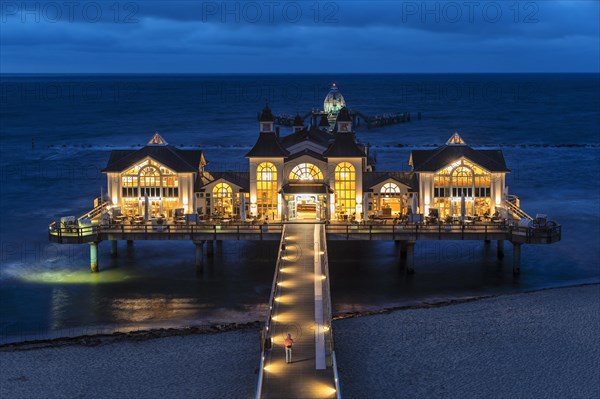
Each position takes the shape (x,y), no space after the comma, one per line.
(130,243)
(94,257)
(210,248)
(403,247)
(500,253)
(199,254)
(410,257)
(516,258)
(113,248)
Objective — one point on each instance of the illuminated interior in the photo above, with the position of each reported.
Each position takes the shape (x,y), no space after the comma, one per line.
(266,190)
(390,200)
(345,189)
(223,200)
(154,181)
(462,179)
(306,172)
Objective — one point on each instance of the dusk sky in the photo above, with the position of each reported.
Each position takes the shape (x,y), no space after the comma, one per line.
(299,36)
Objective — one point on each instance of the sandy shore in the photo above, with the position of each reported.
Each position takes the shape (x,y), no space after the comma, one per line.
(536,345)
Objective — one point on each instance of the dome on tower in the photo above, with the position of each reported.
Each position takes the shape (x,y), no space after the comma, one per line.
(334,100)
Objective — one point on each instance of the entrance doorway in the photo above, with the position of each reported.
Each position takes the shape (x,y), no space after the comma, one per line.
(305,207)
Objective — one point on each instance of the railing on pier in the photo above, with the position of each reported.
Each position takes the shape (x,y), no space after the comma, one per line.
(266,342)
(463,231)
(411,231)
(512,203)
(328,313)
(82,234)
(94,212)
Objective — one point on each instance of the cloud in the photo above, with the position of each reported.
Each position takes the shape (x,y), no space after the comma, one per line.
(333,37)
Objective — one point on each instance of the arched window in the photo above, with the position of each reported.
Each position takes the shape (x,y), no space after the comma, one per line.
(222,199)
(390,190)
(462,182)
(266,190)
(345,188)
(149,178)
(306,171)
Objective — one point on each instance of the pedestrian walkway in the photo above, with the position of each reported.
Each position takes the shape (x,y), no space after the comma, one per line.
(301,306)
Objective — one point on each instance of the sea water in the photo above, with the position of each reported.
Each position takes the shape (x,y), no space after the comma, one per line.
(57,132)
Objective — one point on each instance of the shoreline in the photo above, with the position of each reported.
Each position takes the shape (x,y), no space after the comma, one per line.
(93,340)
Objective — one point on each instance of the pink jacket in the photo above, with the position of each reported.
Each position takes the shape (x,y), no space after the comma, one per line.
(288,341)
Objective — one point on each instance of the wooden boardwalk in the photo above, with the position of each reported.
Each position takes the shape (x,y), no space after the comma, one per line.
(301,307)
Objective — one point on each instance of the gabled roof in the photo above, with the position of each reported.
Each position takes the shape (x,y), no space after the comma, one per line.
(343,115)
(306,151)
(298,121)
(320,137)
(266,115)
(344,145)
(371,179)
(240,179)
(267,145)
(324,122)
(180,161)
(434,160)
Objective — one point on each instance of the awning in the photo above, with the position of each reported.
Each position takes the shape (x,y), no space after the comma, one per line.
(305,188)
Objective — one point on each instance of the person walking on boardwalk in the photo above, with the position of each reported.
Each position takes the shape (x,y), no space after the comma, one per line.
(288,342)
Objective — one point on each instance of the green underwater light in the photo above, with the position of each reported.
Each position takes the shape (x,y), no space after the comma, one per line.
(75,277)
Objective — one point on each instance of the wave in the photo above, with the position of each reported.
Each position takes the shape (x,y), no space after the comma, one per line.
(108,147)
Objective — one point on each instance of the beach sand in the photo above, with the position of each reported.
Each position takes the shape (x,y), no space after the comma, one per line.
(535,345)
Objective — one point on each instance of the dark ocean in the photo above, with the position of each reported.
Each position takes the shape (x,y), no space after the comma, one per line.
(56,132)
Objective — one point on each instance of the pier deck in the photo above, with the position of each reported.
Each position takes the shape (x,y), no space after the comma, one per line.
(301,306)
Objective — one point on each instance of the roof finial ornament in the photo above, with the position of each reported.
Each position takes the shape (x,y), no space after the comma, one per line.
(157,140)
(455,139)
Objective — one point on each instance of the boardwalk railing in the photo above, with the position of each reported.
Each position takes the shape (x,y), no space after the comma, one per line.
(66,234)
(413,231)
(328,314)
(95,212)
(266,342)
(416,231)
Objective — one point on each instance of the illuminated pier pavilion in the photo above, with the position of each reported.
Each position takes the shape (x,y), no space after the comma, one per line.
(316,173)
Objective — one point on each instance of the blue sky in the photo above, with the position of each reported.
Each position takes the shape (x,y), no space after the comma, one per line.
(299,36)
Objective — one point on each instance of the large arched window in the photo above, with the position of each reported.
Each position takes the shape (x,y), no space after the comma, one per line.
(306,171)
(462,182)
(149,181)
(390,190)
(266,190)
(345,188)
(222,199)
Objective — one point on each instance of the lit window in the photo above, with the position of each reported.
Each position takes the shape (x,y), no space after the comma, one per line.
(306,171)
(345,187)
(266,189)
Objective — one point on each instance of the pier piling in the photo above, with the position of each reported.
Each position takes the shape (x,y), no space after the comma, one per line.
(410,257)
(500,253)
(113,248)
(516,258)
(130,243)
(199,255)
(210,248)
(94,257)
(403,249)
